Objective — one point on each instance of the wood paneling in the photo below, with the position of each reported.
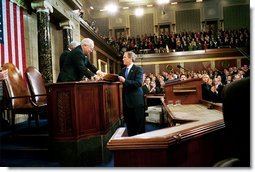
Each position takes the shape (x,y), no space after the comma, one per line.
(82,118)
(197,66)
(188,91)
(148,68)
(221,64)
(82,109)
(191,60)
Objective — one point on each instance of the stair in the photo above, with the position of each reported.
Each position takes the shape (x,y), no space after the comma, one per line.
(26,147)
(29,147)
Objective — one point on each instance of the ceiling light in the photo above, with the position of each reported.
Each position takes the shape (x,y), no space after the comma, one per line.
(111,8)
(161,2)
(149,5)
(91,7)
(174,3)
(199,0)
(125,8)
(139,11)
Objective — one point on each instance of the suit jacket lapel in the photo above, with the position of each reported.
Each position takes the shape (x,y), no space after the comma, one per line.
(131,71)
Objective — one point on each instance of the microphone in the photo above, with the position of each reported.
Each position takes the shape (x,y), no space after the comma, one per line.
(179,66)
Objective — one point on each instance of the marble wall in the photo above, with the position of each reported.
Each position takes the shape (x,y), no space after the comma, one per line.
(62,13)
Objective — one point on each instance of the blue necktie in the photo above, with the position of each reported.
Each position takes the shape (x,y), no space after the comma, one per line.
(126,73)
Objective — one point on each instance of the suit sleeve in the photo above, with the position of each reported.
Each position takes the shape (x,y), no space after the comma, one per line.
(79,61)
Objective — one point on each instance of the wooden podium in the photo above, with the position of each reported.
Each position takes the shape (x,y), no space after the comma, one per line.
(82,117)
(188,91)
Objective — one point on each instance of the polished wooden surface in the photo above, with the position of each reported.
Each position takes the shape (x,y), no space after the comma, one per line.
(78,110)
(197,143)
(187,92)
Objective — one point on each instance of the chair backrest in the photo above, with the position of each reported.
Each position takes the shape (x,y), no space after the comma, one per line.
(36,84)
(16,87)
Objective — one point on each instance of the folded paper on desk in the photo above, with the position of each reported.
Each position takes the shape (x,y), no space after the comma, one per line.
(111,77)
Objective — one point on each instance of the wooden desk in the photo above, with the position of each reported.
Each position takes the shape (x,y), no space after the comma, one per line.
(82,117)
(188,91)
(197,143)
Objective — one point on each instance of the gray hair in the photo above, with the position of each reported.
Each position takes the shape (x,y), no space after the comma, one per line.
(73,44)
(131,55)
(87,41)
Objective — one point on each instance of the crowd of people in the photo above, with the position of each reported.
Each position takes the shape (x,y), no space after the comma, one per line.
(175,42)
(213,80)
(184,41)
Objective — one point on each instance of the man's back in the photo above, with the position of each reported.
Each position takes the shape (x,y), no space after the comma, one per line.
(63,58)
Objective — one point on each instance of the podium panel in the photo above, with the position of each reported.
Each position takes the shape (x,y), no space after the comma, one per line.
(187,92)
(83,113)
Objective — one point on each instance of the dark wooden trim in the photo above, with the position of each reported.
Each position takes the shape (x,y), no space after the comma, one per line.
(99,41)
(198,144)
(190,55)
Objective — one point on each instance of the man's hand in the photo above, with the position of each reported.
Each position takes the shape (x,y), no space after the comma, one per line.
(100,73)
(121,79)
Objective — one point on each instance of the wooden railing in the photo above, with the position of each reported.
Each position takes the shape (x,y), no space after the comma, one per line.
(196,141)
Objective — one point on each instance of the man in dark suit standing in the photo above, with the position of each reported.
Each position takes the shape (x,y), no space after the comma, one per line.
(64,55)
(77,64)
(131,77)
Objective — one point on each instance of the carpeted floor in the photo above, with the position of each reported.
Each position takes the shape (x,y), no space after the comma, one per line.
(28,147)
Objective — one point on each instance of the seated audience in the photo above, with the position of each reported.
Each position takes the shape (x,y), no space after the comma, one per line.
(206,88)
(216,90)
(146,86)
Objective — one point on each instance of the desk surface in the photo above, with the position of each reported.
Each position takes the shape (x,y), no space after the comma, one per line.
(198,113)
(194,112)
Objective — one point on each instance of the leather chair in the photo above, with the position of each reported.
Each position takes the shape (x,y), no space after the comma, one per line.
(36,84)
(17,97)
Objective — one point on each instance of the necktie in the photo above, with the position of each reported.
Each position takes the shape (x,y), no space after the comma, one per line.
(126,73)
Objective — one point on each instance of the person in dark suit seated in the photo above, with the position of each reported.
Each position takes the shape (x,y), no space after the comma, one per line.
(154,89)
(78,65)
(64,55)
(146,86)
(150,88)
(131,77)
(236,114)
(207,94)
(216,90)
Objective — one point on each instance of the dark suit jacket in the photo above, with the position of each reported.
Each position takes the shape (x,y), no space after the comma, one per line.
(217,97)
(145,89)
(76,66)
(132,87)
(207,94)
(62,58)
